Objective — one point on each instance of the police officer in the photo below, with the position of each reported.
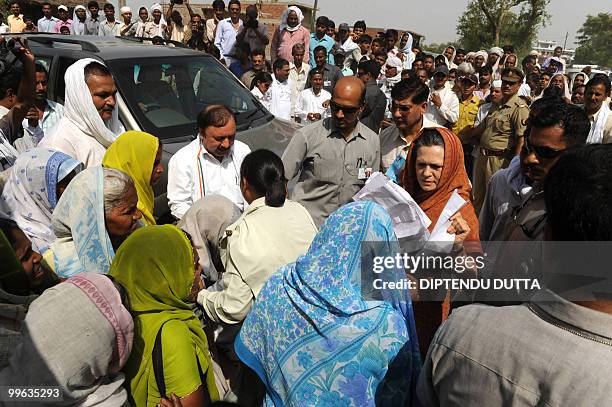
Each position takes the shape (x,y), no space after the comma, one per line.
(500,135)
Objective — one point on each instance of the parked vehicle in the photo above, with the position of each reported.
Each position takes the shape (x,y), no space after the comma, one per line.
(161,89)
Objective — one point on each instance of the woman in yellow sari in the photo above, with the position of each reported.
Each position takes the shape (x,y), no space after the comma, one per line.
(139,155)
(158,268)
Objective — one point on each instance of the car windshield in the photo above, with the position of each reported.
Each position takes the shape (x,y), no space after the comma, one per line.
(165,95)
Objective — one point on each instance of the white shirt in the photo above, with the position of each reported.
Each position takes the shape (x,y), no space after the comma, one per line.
(51,116)
(280,94)
(299,83)
(308,102)
(225,40)
(69,139)
(448,111)
(264,99)
(193,172)
(47,25)
(524,90)
(4,28)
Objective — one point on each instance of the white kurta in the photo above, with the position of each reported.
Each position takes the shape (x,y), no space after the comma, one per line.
(448,111)
(193,173)
(308,102)
(280,99)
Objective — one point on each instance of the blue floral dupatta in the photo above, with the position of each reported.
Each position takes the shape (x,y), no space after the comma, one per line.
(313,339)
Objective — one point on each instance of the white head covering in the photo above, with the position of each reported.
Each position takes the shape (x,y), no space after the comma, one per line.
(77,27)
(451,63)
(162,21)
(409,54)
(80,110)
(394,62)
(140,28)
(597,129)
(125,9)
(496,84)
(284,26)
(483,54)
(497,51)
(566,92)
(585,76)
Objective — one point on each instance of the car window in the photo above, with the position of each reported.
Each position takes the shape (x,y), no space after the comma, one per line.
(60,89)
(45,62)
(166,95)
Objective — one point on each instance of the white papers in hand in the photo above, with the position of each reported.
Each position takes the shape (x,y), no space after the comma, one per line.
(441,241)
(408,218)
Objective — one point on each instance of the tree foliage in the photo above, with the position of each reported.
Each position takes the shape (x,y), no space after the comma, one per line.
(594,39)
(439,48)
(487,23)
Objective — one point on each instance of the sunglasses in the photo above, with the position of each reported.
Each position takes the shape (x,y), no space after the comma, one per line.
(335,107)
(545,153)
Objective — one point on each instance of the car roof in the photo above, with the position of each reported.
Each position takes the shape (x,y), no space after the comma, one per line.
(109,48)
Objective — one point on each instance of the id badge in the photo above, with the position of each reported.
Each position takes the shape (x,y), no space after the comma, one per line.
(364,172)
(326,83)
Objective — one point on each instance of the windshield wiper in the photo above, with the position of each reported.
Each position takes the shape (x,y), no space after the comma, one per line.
(246,118)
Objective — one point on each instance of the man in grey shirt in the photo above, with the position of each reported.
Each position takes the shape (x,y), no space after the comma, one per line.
(331,73)
(333,157)
(92,24)
(549,351)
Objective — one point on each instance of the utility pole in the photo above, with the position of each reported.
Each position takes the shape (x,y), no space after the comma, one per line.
(314,16)
(565,42)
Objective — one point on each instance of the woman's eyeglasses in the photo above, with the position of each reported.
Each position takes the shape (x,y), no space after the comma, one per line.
(346,110)
(545,153)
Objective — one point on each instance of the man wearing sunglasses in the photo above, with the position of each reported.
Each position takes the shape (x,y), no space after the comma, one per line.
(515,213)
(500,135)
(335,156)
(408,106)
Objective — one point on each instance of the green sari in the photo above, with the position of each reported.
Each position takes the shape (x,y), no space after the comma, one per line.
(156,267)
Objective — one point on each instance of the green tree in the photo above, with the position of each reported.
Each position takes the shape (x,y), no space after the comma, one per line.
(594,39)
(487,23)
(439,48)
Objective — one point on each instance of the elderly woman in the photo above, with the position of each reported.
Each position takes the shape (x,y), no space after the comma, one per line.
(35,185)
(432,173)
(96,213)
(76,337)
(315,340)
(139,155)
(161,274)
(290,32)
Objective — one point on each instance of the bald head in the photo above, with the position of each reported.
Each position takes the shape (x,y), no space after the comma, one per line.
(350,88)
(347,103)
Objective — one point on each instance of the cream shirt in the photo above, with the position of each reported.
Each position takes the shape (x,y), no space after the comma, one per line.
(256,246)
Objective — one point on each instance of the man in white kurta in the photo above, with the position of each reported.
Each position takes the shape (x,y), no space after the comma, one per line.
(209,165)
(281,91)
(90,122)
(443,107)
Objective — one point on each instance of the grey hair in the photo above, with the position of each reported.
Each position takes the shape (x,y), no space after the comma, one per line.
(298,47)
(116,185)
(466,68)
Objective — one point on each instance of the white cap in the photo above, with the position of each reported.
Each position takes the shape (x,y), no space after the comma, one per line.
(62,7)
(497,84)
(394,62)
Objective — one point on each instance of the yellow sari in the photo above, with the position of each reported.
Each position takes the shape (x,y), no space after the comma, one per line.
(134,153)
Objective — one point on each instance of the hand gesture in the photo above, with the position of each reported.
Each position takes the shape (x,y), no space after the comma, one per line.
(174,401)
(460,228)
(436,99)
(32,116)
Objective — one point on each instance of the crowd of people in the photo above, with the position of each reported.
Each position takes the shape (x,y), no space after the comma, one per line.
(253,295)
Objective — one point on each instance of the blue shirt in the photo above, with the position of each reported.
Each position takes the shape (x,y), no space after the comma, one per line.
(327,42)
(47,25)
(226,37)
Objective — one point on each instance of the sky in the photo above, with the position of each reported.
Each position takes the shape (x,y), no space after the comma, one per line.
(437,20)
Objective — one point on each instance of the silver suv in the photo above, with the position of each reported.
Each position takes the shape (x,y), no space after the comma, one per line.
(161,89)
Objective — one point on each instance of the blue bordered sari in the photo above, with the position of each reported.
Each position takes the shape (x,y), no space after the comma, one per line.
(78,222)
(314,340)
(30,194)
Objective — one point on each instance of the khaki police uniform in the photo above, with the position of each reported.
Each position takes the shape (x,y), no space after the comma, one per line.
(504,126)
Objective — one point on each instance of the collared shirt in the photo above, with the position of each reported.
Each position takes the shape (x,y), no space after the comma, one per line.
(153,29)
(211,29)
(482,94)
(193,173)
(274,247)
(308,102)
(392,144)
(298,78)
(283,42)
(281,98)
(110,29)
(327,42)
(264,99)
(376,105)
(47,25)
(247,78)
(328,165)
(448,112)
(607,130)
(538,353)
(59,24)
(16,24)
(505,124)
(92,25)
(51,116)
(331,75)
(225,40)
(468,110)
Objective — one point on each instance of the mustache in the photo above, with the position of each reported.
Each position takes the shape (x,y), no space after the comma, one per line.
(108,108)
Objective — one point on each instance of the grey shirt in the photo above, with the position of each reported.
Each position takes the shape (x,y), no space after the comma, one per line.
(376,105)
(328,165)
(92,26)
(548,352)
